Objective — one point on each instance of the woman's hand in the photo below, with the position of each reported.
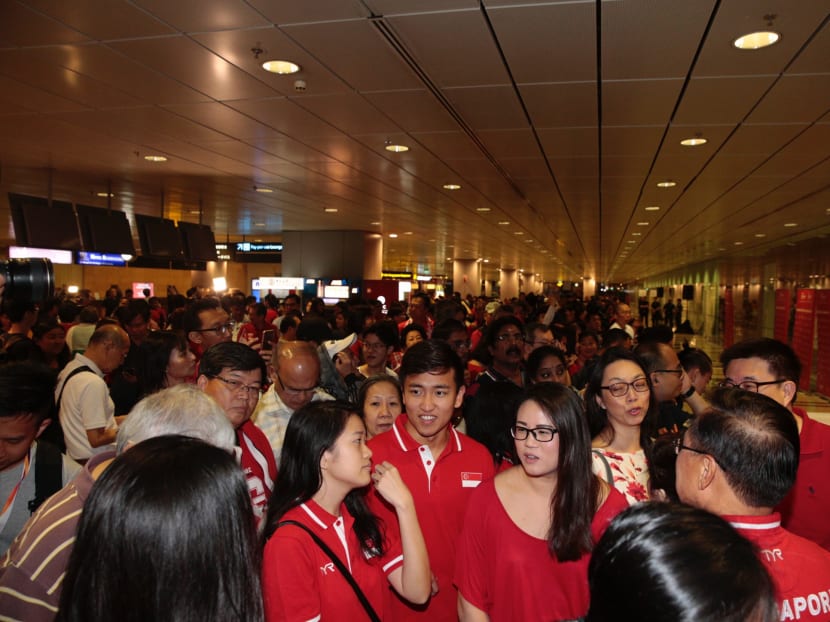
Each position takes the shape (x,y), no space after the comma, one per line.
(389,484)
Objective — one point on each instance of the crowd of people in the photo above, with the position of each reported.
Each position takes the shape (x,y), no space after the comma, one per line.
(226,458)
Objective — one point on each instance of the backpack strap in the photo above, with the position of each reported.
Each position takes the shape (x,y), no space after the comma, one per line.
(54,433)
(373,616)
(48,473)
(609,476)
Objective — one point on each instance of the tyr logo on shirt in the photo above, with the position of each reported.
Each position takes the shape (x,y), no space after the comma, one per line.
(327,568)
(470,480)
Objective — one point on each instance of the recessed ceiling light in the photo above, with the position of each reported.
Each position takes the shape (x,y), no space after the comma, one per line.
(693,142)
(631,241)
(282,67)
(738,243)
(407,233)
(518,233)
(653,208)
(330,210)
(504,222)
(756,40)
(396,148)
(155,158)
(486,261)
(449,258)
(636,233)
(195,212)
(452,187)
(375,223)
(528,241)
(760,235)
(790,224)
(259,224)
(104,194)
(263,190)
(666,184)
(482,209)
(642,224)
(393,235)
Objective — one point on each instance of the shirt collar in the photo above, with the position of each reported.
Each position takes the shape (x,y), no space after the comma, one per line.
(407,443)
(767,522)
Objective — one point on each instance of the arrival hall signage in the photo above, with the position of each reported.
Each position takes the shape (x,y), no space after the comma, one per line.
(258,252)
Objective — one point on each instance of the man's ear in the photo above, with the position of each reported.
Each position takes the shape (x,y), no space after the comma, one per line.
(201,381)
(789,388)
(655,377)
(42,427)
(459,397)
(194,336)
(706,475)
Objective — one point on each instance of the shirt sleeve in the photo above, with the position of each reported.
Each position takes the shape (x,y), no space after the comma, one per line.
(392,548)
(95,406)
(23,599)
(289,582)
(471,575)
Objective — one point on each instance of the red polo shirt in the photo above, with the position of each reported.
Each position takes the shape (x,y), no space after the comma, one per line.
(441,487)
(800,569)
(806,508)
(300,582)
(258,464)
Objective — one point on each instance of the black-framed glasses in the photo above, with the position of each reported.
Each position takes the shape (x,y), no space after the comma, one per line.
(224,329)
(618,389)
(749,385)
(377,345)
(679,446)
(235,387)
(293,390)
(512,337)
(679,372)
(542,435)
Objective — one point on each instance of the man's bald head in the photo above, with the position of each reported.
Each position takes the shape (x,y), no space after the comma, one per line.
(295,372)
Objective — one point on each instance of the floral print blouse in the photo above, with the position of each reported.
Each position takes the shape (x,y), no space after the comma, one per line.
(630,472)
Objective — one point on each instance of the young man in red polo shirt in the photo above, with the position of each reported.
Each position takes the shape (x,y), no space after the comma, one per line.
(440,466)
(738,461)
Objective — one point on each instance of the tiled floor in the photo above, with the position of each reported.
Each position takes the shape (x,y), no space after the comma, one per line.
(815,404)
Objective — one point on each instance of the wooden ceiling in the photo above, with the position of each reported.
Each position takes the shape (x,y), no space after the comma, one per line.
(558,118)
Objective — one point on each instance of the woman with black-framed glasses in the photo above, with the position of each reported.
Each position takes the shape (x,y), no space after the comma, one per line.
(621,415)
(523,553)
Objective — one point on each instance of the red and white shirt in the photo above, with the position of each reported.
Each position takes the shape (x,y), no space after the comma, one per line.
(258,464)
(441,487)
(301,583)
(800,569)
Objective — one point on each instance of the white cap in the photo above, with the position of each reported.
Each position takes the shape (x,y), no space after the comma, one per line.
(333,346)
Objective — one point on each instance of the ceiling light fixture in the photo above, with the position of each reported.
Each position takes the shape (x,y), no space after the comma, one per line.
(790,224)
(504,222)
(518,233)
(738,243)
(393,235)
(757,40)
(104,195)
(155,158)
(642,224)
(482,209)
(330,210)
(653,208)
(262,190)
(407,233)
(389,146)
(375,223)
(452,187)
(281,67)
(666,184)
(760,235)
(694,142)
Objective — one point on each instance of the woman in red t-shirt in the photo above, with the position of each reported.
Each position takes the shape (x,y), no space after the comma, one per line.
(324,468)
(523,553)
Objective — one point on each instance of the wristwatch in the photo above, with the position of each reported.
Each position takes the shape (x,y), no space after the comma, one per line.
(688,393)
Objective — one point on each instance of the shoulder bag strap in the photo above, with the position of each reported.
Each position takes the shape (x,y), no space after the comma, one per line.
(340,566)
(74,372)
(608,474)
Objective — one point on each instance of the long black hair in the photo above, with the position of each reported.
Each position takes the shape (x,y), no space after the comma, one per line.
(157,347)
(313,430)
(167,533)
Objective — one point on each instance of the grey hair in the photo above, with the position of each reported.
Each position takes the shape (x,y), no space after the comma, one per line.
(182,409)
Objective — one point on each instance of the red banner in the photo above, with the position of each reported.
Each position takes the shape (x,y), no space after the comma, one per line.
(783,306)
(823,330)
(805,319)
(728,317)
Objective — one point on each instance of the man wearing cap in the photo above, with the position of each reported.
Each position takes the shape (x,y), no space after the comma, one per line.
(295,376)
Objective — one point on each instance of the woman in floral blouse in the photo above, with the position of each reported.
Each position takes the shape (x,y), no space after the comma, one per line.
(620,415)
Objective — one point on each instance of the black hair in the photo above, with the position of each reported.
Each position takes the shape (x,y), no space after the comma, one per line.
(44,326)
(431,357)
(312,430)
(755,441)
(651,354)
(445,328)
(290,320)
(191,320)
(664,562)
(490,414)
(88,315)
(576,498)
(172,507)
(499,323)
(314,328)
(369,383)
(532,327)
(412,328)
(534,361)
(695,358)
(661,333)
(26,388)
(136,307)
(782,360)
(17,309)
(157,349)
(386,331)
(615,337)
(233,356)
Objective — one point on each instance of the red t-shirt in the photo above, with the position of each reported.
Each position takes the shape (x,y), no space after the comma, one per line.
(258,464)
(510,575)
(806,508)
(441,488)
(300,582)
(800,569)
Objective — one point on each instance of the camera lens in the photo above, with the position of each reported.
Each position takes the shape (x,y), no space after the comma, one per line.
(28,279)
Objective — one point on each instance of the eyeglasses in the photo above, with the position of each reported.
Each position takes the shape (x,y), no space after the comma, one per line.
(512,337)
(679,446)
(749,385)
(679,372)
(224,329)
(378,345)
(293,390)
(618,389)
(235,387)
(542,435)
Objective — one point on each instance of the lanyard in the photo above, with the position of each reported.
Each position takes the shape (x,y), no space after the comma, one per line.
(7,507)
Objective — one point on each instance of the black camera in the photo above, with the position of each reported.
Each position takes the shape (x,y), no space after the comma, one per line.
(27,279)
